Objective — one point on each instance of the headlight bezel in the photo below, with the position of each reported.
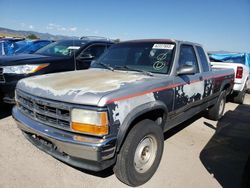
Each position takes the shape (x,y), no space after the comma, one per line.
(87,125)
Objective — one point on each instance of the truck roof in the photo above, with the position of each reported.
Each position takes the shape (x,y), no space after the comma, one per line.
(149,40)
(160,40)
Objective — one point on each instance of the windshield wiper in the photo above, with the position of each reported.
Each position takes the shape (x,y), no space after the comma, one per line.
(137,70)
(105,65)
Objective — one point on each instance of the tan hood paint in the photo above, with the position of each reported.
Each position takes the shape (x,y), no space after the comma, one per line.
(80,82)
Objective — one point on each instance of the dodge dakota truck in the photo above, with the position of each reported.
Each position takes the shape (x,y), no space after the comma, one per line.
(115,113)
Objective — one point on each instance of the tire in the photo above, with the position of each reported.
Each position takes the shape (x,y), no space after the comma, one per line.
(1,97)
(248,86)
(140,154)
(239,98)
(216,111)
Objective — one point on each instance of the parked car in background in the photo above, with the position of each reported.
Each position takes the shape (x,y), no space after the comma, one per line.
(115,113)
(30,46)
(9,45)
(13,47)
(240,62)
(64,55)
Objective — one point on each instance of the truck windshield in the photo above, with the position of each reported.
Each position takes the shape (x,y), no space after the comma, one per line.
(139,56)
(60,48)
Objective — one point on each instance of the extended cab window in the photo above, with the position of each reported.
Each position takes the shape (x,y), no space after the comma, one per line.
(203,59)
(188,57)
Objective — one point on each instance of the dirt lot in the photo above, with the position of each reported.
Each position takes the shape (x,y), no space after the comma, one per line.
(198,153)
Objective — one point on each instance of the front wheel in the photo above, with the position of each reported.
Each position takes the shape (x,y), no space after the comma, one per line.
(140,154)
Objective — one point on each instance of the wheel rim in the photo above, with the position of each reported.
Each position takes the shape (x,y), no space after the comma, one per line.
(221,108)
(145,154)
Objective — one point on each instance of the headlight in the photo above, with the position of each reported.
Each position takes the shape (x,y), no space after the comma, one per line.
(90,122)
(23,69)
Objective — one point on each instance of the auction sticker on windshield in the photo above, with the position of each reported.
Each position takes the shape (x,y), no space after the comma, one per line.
(163,46)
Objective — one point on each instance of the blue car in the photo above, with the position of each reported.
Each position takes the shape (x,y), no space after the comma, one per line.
(9,45)
(24,46)
(29,47)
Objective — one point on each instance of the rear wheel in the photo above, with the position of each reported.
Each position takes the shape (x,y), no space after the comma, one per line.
(140,154)
(239,98)
(216,111)
(248,86)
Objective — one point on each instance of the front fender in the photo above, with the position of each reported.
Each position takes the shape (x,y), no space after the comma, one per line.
(135,113)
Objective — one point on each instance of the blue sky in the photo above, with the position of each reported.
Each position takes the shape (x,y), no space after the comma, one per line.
(217,24)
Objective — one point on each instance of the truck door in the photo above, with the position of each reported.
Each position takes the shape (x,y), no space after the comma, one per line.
(190,87)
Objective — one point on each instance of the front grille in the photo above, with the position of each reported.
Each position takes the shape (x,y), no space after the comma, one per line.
(2,80)
(45,111)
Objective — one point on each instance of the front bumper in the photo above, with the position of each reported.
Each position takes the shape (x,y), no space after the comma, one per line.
(80,151)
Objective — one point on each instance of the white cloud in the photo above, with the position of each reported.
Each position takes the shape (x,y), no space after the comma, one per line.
(57,27)
(72,28)
(26,26)
(96,32)
(52,26)
(22,24)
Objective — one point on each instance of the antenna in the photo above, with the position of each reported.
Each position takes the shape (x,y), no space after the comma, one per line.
(74,54)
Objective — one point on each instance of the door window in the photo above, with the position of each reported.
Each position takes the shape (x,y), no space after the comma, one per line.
(188,57)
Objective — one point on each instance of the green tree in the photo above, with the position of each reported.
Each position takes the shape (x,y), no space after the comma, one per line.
(32,36)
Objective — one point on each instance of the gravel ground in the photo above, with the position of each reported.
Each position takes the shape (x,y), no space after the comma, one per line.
(198,153)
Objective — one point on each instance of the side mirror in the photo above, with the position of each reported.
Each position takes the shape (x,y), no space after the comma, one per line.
(186,70)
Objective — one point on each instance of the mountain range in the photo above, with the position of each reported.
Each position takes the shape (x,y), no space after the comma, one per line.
(20,33)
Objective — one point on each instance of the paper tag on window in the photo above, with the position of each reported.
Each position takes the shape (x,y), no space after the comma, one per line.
(163,46)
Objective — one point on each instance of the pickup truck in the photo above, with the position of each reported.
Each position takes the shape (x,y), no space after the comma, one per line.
(115,113)
(237,62)
(63,55)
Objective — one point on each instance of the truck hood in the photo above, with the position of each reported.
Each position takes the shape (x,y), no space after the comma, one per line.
(86,87)
(22,59)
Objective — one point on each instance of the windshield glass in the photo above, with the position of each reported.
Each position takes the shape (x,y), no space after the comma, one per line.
(141,56)
(60,48)
(31,47)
